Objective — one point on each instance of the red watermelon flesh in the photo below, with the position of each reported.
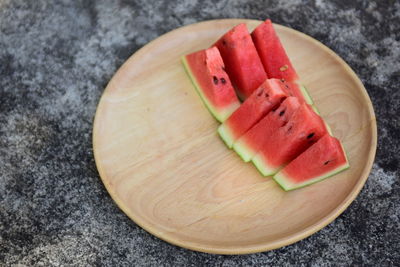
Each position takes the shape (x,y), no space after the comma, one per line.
(206,70)
(268,96)
(303,129)
(297,90)
(323,159)
(272,53)
(241,60)
(250,143)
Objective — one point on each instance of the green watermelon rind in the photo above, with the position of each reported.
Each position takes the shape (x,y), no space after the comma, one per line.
(263,167)
(328,128)
(316,110)
(284,181)
(286,185)
(221,114)
(243,150)
(226,135)
(306,95)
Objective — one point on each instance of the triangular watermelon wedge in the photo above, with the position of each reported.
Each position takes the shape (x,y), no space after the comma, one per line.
(303,129)
(242,61)
(323,159)
(268,96)
(207,72)
(272,53)
(253,140)
(275,60)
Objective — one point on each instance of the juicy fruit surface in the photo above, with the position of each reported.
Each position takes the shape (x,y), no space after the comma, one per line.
(323,159)
(241,60)
(206,69)
(253,140)
(303,129)
(272,53)
(268,96)
(297,90)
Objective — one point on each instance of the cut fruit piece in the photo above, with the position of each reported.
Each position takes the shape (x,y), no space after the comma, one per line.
(241,60)
(323,159)
(297,90)
(272,53)
(268,96)
(252,141)
(303,129)
(206,70)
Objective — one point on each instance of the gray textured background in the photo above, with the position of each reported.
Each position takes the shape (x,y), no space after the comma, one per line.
(56,58)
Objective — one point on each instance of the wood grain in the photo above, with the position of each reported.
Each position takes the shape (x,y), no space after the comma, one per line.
(159,156)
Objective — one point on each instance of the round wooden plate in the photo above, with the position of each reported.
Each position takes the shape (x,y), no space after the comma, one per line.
(160,158)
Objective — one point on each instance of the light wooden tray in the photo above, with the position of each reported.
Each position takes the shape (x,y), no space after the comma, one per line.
(160,158)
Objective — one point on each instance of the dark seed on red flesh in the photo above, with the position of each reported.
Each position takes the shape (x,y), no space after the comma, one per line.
(310,135)
(223,80)
(326,162)
(215,79)
(281,113)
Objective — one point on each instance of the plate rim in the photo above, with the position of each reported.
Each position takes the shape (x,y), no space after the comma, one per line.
(262,247)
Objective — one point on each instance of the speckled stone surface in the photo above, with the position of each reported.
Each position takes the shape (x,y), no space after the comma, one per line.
(56,58)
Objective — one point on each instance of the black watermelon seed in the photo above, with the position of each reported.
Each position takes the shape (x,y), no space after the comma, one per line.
(223,80)
(281,113)
(266,95)
(326,162)
(260,93)
(310,135)
(215,80)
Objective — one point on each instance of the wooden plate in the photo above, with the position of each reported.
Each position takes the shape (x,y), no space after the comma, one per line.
(159,156)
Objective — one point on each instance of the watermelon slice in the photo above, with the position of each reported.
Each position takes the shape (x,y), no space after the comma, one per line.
(241,60)
(206,70)
(300,91)
(297,90)
(303,129)
(272,53)
(250,143)
(323,159)
(268,96)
